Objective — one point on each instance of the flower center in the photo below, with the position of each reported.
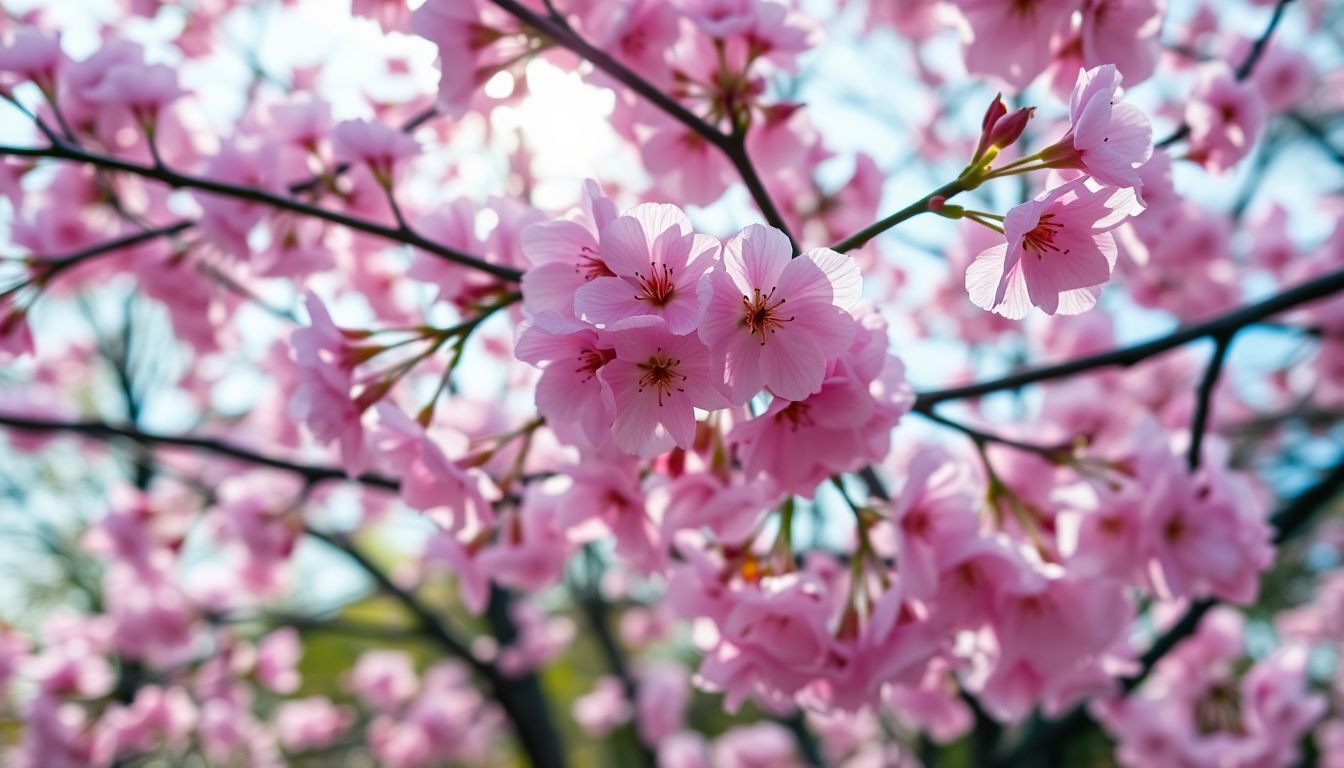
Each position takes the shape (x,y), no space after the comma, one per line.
(797,415)
(662,373)
(590,265)
(1042,238)
(656,287)
(592,359)
(762,313)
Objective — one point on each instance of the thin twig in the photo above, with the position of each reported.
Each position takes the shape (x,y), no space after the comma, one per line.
(982,437)
(1242,71)
(1199,425)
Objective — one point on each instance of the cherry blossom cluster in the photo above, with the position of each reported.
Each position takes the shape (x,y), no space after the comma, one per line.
(371,405)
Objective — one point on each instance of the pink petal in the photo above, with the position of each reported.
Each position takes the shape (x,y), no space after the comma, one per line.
(984,276)
(795,369)
(756,256)
(607,300)
(556,241)
(821,275)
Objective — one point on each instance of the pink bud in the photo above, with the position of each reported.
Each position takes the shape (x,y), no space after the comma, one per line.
(1009,129)
(936,202)
(997,109)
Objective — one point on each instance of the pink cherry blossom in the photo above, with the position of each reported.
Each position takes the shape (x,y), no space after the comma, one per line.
(1284,78)
(656,262)
(454,496)
(773,322)
(603,708)
(374,144)
(1225,119)
(1059,253)
(1009,39)
(1123,33)
(1106,139)
(934,518)
(565,254)
(849,420)
(391,15)
(664,695)
(657,380)
(570,391)
(473,38)
(33,56)
(383,680)
(311,723)
(323,399)
(142,89)
(1207,535)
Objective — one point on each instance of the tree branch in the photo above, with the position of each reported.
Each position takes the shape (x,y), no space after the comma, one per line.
(733,145)
(982,437)
(1312,290)
(1242,71)
(177,180)
(1204,397)
(538,739)
(52,266)
(312,473)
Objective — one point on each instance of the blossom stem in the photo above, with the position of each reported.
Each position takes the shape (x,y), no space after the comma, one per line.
(946,191)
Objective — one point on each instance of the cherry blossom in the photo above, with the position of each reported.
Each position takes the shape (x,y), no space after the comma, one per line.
(483,382)
(1059,253)
(772,321)
(655,262)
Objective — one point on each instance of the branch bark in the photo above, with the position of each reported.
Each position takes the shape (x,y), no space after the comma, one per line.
(732,145)
(177,180)
(1304,293)
(100,430)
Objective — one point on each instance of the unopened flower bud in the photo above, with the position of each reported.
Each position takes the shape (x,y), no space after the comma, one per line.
(1008,130)
(997,109)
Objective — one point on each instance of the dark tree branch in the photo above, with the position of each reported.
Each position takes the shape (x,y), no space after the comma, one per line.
(981,437)
(522,696)
(1199,425)
(100,430)
(51,266)
(1242,71)
(1312,290)
(1317,134)
(597,612)
(733,145)
(535,733)
(177,180)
